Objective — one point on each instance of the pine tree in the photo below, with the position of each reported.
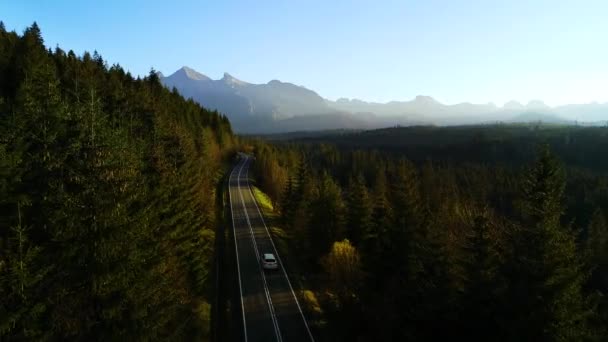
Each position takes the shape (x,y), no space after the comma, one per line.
(596,243)
(21,275)
(107,196)
(36,146)
(596,254)
(287,206)
(545,274)
(377,244)
(407,202)
(482,289)
(303,181)
(359,211)
(420,262)
(409,232)
(327,217)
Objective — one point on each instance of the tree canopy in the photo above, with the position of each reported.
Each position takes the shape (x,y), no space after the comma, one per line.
(107,199)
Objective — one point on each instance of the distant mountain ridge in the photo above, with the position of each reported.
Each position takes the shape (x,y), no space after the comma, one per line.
(241,100)
(281,107)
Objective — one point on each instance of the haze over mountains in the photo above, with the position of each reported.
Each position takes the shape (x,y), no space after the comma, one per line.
(282,107)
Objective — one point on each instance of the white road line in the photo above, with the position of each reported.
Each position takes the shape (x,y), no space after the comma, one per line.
(277,254)
(257,252)
(236,248)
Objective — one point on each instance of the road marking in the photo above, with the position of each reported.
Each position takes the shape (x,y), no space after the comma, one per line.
(277,254)
(236,247)
(257,253)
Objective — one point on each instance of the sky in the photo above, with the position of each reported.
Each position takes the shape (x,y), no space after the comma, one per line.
(456,51)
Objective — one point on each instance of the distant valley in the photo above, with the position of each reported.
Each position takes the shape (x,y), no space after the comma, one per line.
(277,107)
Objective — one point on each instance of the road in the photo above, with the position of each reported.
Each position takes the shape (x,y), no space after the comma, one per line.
(270,308)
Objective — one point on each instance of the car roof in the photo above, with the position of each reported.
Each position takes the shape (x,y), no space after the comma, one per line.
(268,256)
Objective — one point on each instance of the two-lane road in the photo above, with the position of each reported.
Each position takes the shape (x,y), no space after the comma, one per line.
(270,308)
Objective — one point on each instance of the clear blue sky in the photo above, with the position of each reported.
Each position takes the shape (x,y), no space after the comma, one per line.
(454,50)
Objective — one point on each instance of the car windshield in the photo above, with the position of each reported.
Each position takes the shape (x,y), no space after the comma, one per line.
(269,258)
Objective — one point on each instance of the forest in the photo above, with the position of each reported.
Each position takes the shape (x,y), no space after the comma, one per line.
(111,197)
(482,233)
(108,199)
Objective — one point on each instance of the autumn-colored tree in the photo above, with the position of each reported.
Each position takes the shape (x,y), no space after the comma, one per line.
(343,267)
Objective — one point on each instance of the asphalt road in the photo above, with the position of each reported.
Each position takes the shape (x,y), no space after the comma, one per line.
(270,309)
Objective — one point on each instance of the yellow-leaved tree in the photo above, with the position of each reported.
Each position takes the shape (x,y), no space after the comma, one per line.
(343,266)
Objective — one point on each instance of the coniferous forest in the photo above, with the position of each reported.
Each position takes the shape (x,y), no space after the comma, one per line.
(107,199)
(111,196)
(408,234)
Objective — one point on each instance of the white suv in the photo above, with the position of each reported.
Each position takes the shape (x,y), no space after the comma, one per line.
(269,262)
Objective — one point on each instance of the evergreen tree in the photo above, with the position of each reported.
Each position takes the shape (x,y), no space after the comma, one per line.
(287,206)
(327,218)
(596,244)
(483,287)
(377,244)
(303,181)
(406,201)
(421,262)
(596,253)
(359,211)
(107,200)
(545,274)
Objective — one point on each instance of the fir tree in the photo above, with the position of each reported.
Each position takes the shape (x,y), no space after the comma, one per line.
(483,286)
(377,244)
(359,211)
(545,277)
(107,196)
(327,217)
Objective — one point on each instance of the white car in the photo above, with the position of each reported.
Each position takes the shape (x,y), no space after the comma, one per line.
(269,262)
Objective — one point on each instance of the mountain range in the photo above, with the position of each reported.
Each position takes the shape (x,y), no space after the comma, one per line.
(283,107)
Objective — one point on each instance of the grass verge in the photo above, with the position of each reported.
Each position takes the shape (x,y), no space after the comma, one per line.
(306,294)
